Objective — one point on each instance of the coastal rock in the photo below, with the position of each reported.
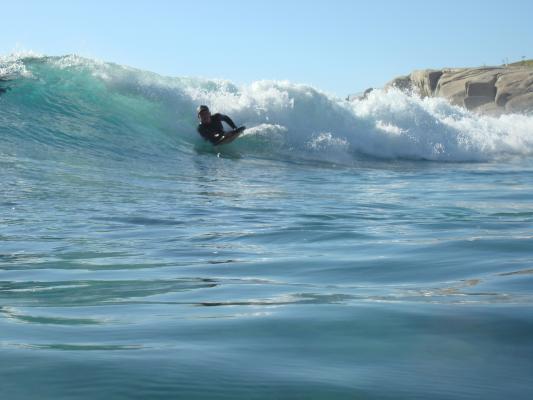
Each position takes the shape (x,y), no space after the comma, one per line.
(487,90)
(520,104)
(360,96)
(426,81)
(403,83)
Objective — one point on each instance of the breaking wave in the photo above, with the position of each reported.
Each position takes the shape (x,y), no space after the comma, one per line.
(90,107)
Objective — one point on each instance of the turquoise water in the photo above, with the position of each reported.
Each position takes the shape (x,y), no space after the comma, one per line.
(379,249)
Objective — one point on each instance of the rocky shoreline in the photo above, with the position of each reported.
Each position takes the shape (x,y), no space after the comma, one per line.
(486,90)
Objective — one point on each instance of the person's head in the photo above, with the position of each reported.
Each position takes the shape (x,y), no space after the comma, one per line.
(204,115)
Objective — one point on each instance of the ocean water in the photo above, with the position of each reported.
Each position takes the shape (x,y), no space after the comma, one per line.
(375,249)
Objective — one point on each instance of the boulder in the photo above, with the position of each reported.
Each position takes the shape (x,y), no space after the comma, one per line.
(520,104)
(490,109)
(480,91)
(367,92)
(403,83)
(359,96)
(426,81)
(517,82)
(482,87)
(472,102)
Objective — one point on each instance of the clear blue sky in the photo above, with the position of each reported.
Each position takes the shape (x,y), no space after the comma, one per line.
(337,46)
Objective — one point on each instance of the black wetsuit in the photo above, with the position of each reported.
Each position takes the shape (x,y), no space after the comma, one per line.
(214,131)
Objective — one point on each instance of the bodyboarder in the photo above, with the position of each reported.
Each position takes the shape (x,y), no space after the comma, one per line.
(211,127)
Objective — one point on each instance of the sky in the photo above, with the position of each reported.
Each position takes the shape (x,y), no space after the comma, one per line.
(337,46)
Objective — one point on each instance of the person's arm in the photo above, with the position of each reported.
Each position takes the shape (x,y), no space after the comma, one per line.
(230,136)
(228,121)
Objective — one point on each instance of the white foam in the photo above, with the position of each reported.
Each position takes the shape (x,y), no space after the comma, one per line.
(433,129)
(388,124)
(12,65)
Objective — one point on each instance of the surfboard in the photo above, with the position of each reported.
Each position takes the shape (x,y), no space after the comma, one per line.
(231,135)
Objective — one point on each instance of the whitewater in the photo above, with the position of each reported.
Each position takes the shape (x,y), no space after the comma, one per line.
(378,248)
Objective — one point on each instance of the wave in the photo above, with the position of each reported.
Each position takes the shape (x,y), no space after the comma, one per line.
(92,107)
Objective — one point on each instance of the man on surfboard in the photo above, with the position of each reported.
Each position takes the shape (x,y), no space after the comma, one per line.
(211,128)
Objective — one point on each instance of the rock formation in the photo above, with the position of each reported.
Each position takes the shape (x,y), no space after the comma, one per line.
(490,90)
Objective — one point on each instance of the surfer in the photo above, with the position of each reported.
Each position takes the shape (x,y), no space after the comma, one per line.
(211,128)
